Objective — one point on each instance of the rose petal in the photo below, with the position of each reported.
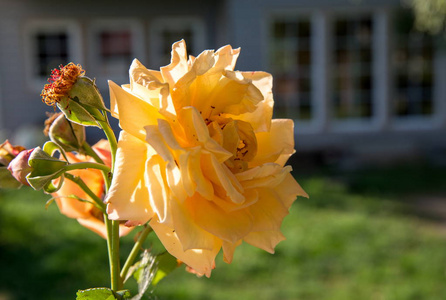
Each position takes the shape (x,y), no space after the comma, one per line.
(266,240)
(229,226)
(274,143)
(268,212)
(260,118)
(128,197)
(229,249)
(133,113)
(200,260)
(288,190)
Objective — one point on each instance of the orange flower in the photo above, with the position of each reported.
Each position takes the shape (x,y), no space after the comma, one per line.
(86,213)
(200,157)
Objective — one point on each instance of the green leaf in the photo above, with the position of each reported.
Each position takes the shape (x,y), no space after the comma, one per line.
(102,294)
(7,181)
(151,269)
(96,294)
(146,269)
(166,264)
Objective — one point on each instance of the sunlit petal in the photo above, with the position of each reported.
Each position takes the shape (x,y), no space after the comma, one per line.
(128,197)
(133,112)
(200,260)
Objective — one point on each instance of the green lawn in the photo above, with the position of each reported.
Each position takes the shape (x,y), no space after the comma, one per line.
(359,236)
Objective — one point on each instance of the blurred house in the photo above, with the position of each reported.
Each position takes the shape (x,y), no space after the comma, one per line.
(353,74)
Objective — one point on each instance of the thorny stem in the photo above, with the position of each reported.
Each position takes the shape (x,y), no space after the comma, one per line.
(135,250)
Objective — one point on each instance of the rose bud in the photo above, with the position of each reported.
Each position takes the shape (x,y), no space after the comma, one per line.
(19,166)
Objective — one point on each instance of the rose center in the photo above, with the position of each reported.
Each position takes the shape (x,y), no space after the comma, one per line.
(238,138)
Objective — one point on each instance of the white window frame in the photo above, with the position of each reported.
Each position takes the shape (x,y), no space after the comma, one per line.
(318,60)
(379,72)
(34,26)
(138,45)
(438,117)
(321,77)
(158,25)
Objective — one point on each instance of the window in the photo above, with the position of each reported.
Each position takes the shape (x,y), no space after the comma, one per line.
(49,44)
(52,50)
(164,32)
(291,66)
(352,68)
(412,59)
(113,44)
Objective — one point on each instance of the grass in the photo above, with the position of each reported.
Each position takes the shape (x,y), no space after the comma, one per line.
(357,237)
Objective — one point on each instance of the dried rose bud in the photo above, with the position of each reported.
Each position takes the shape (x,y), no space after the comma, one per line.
(76,95)
(19,166)
(60,83)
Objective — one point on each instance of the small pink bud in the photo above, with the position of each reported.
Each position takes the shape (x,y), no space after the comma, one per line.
(19,166)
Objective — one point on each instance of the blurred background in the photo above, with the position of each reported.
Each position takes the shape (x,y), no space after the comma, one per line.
(365,82)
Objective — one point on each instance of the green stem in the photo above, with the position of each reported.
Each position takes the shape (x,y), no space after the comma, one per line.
(112,226)
(135,250)
(113,252)
(113,278)
(90,152)
(87,165)
(86,189)
(116,265)
(111,139)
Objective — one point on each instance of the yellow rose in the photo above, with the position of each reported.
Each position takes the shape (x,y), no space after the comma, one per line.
(86,213)
(200,157)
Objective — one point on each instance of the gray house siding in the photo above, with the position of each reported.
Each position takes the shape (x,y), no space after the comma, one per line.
(246,24)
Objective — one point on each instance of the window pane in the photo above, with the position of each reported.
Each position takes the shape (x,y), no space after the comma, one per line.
(52,50)
(291,65)
(113,52)
(116,45)
(413,69)
(352,67)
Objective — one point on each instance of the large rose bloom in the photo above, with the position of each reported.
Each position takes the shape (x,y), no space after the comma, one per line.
(200,157)
(86,213)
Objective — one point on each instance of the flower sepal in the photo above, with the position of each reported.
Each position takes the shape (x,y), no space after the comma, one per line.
(78,113)
(45,168)
(87,92)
